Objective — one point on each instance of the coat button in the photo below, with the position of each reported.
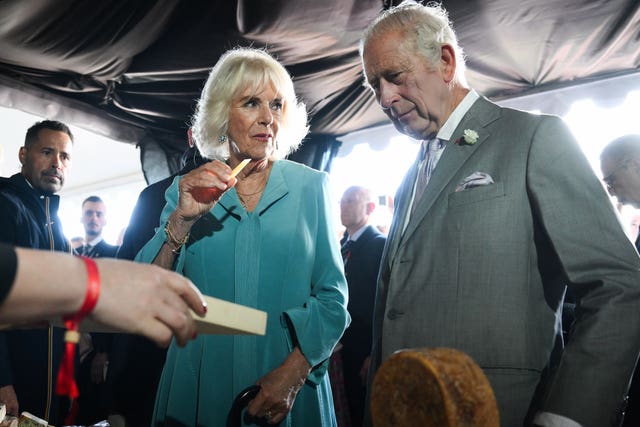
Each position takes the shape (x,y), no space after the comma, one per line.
(393,314)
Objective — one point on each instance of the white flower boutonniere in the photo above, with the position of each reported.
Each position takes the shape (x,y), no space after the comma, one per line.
(469,137)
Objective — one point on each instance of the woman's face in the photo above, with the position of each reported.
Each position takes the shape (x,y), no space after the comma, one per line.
(254,121)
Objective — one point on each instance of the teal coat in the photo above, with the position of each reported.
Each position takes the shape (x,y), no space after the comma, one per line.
(282,258)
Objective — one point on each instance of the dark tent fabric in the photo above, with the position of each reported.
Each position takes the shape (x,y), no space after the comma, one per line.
(133,69)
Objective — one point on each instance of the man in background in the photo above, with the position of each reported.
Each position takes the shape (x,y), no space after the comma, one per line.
(29,358)
(94,347)
(94,219)
(620,166)
(362,247)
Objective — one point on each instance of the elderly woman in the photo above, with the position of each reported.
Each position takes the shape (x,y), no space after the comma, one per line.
(264,240)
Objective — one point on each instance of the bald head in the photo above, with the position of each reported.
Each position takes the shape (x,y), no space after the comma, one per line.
(356,206)
(620,165)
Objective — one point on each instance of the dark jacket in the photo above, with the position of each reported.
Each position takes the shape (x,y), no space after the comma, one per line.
(101,250)
(29,358)
(361,272)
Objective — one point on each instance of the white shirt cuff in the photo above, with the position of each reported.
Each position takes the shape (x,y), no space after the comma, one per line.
(548,419)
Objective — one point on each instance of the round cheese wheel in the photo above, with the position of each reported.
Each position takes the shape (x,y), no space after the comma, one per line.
(439,387)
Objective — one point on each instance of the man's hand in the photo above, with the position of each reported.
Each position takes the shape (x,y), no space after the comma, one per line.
(98,364)
(10,400)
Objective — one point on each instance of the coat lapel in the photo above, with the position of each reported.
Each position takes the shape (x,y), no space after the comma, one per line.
(275,189)
(481,114)
(402,200)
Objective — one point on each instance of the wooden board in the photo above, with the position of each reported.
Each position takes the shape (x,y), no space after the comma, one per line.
(226,318)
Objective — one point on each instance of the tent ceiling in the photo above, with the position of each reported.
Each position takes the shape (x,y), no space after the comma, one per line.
(139,66)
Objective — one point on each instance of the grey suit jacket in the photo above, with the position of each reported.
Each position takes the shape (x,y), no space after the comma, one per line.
(484,270)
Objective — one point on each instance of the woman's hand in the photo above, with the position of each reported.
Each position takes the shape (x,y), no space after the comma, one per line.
(279,388)
(201,188)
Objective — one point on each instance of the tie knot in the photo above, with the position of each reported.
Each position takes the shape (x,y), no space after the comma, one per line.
(435,144)
(87,250)
(431,146)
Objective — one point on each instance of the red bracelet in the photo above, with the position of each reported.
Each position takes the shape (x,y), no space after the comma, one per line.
(93,291)
(66,384)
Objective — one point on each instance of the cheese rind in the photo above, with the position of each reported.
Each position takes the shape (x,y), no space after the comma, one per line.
(439,387)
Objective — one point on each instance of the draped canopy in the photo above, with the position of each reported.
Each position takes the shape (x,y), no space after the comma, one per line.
(133,69)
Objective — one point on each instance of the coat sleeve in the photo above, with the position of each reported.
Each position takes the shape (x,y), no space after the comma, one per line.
(601,267)
(150,250)
(318,325)
(7,235)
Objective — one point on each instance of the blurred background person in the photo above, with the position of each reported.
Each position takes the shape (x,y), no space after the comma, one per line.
(362,247)
(94,219)
(94,347)
(620,166)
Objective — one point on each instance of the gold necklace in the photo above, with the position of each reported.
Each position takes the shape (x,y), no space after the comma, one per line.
(242,196)
(250,194)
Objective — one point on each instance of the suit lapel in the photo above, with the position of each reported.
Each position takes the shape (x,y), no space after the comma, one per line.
(480,115)
(402,200)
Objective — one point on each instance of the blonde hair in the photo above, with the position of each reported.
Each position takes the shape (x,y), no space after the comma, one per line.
(236,71)
(427,28)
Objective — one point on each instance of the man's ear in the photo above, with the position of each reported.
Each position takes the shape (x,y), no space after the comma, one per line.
(370,208)
(22,155)
(448,62)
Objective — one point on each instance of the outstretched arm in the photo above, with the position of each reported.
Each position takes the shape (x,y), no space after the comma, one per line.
(134,298)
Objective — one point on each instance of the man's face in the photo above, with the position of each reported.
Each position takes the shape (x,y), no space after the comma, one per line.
(622,178)
(93,218)
(354,209)
(412,93)
(45,162)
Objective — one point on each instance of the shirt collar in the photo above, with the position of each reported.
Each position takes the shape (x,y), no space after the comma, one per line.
(95,241)
(457,115)
(357,234)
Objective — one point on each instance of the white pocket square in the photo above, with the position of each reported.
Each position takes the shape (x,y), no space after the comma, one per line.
(476,179)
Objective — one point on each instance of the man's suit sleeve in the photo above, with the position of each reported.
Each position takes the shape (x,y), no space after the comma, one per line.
(601,268)
(7,235)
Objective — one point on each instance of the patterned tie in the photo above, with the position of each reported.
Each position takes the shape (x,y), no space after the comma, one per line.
(430,156)
(346,251)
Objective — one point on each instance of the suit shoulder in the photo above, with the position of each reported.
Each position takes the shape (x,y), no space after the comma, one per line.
(513,114)
(372,234)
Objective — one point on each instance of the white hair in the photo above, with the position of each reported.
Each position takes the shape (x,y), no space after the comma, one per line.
(237,70)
